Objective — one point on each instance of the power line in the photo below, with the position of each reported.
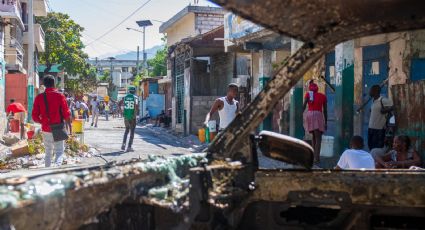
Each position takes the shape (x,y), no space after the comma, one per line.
(113,28)
(107,44)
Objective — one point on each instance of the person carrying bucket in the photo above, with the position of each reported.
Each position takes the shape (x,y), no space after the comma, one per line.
(227,107)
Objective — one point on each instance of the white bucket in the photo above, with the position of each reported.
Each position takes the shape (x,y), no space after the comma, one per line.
(327,147)
(212,125)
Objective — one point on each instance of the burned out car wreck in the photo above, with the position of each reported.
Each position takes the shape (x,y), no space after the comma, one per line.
(225,188)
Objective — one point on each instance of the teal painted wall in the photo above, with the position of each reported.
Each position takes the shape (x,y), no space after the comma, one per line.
(344,96)
(296,113)
(267,123)
(30,101)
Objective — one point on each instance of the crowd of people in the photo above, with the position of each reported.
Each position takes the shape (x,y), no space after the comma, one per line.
(93,107)
(386,151)
(58,107)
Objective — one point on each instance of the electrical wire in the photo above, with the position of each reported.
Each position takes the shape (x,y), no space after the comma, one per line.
(107,44)
(122,22)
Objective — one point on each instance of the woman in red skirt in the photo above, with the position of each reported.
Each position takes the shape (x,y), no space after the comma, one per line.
(316,117)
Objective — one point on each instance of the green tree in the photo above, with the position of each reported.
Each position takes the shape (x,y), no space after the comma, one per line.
(87,82)
(159,62)
(63,44)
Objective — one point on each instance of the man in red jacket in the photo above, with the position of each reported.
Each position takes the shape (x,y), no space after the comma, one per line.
(58,112)
(17,110)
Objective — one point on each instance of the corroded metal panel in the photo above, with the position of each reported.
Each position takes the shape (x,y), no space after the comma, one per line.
(70,199)
(410,112)
(394,189)
(323,21)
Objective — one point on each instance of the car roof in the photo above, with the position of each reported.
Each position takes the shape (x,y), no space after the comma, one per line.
(331,20)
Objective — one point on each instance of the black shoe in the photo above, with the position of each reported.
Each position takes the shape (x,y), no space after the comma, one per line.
(130,149)
(92,124)
(123,147)
(95,126)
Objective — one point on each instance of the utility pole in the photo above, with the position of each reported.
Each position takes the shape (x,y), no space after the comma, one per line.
(137,62)
(31,48)
(144,53)
(144,24)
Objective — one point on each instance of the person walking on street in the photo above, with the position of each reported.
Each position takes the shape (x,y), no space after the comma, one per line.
(131,106)
(227,107)
(381,106)
(55,111)
(316,117)
(17,111)
(85,109)
(94,111)
(107,109)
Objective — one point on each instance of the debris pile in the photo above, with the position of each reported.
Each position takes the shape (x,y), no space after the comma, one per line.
(16,154)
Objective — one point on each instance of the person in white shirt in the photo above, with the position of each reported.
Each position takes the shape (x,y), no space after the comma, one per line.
(227,107)
(379,110)
(94,111)
(356,157)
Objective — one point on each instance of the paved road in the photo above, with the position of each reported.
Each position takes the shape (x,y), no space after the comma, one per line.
(107,138)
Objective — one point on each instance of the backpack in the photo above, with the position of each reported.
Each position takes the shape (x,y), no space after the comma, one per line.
(390,123)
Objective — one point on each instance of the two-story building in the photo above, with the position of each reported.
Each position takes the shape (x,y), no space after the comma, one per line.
(14,58)
(198,66)
(123,72)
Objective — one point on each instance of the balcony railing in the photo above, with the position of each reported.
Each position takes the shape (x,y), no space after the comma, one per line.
(17,45)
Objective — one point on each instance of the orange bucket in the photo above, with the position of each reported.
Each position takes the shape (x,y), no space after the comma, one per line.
(201,135)
(14,126)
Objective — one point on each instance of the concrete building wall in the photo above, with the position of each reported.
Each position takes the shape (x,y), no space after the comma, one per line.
(191,25)
(222,72)
(206,22)
(402,48)
(281,111)
(2,83)
(256,74)
(201,105)
(182,29)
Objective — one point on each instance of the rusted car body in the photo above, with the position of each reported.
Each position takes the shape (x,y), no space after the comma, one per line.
(237,194)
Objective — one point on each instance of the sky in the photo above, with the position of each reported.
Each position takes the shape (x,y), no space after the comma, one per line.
(99,16)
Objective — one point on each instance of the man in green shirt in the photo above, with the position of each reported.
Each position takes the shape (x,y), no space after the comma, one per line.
(131,106)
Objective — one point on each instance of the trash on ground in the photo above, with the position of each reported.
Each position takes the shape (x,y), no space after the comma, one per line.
(10,139)
(31,153)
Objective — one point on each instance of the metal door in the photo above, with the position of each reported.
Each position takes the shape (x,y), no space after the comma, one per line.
(375,72)
(179,87)
(330,77)
(417,69)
